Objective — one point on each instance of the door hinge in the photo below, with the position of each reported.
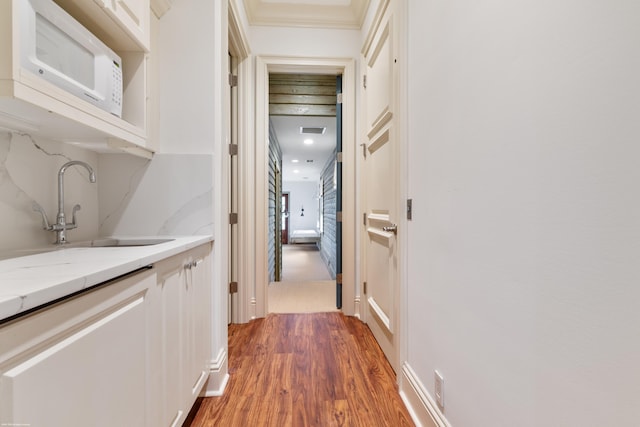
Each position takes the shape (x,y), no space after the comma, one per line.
(233,149)
(409,208)
(364,286)
(233,80)
(233,287)
(233,218)
(364,81)
(364,219)
(339,278)
(339,99)
(339,157)
(364,149)
(338,216)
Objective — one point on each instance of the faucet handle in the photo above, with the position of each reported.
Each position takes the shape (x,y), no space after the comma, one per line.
(76,208)
(45,222)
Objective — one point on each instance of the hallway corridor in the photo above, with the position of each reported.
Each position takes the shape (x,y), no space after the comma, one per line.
(299,370)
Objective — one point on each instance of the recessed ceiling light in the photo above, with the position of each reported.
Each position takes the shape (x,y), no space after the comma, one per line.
(295,161)
(308,141)
(296,171)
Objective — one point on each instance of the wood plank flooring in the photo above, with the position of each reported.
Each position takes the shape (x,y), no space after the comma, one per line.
(320,369)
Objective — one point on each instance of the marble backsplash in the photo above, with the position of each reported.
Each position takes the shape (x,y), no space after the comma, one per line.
(169,195)
(29,174)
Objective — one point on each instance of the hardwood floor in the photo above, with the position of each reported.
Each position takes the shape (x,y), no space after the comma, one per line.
(320,369)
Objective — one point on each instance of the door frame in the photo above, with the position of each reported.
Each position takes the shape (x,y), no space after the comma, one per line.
(257,304)
(284,237)
(238,46)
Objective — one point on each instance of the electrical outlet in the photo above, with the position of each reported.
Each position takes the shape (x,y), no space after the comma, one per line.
(439,387)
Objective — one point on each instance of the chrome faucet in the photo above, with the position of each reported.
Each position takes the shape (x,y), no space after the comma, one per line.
(61,225)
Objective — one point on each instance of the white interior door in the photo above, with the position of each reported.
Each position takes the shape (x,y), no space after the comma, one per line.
(380,186)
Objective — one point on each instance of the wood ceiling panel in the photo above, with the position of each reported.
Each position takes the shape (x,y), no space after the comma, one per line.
(302,95)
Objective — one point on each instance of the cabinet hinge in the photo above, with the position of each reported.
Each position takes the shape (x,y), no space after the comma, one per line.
(233,287)
(233,218)
(233,149)
(339,98)
(233,80)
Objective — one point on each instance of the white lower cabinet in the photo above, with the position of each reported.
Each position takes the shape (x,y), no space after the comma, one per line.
(185,289)
(131,353)
(81,362)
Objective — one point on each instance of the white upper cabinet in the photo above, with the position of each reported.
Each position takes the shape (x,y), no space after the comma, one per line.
(35,105)
(121,24)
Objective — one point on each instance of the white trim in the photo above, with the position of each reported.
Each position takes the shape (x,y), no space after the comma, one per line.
(421,406)
(304,14)
(346,67)
(381,314)
(403,177)
(382,8)
(218,376)
(160,7)
(239,48)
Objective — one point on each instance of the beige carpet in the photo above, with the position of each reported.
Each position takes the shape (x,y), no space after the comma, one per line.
(302,263)
(306,285)
(302,297)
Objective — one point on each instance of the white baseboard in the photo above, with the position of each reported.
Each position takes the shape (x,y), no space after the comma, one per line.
(356,308)
(422,407)
(218,375)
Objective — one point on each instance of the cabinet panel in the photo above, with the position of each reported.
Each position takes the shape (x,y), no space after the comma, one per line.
(121,24)
(184,282)
(88,367)
(199,325)
(171,283)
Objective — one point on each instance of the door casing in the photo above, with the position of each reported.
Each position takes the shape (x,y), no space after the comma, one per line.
(257,302)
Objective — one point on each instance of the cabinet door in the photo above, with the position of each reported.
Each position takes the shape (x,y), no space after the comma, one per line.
(90,371)
(132,15)
(198,324)
(173,322)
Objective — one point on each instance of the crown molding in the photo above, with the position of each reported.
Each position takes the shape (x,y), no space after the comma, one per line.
(311,13)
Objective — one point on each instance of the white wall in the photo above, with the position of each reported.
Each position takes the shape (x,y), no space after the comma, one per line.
(187,93)
(524,171)
(29,173)
(302,194)
(305,42)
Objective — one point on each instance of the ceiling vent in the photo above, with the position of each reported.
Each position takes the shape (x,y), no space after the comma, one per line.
(313,130)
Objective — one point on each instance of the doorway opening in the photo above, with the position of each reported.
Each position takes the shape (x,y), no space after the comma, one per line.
(258,304)
(304,132)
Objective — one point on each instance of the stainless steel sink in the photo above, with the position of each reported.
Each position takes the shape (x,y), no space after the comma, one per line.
(112,243)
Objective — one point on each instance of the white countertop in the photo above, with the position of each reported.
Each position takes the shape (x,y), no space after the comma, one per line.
(30,281)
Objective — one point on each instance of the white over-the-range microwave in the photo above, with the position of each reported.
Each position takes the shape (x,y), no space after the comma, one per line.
(57,48)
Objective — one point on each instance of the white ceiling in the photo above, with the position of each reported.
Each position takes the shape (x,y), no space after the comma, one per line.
(307,13)
(287,129)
